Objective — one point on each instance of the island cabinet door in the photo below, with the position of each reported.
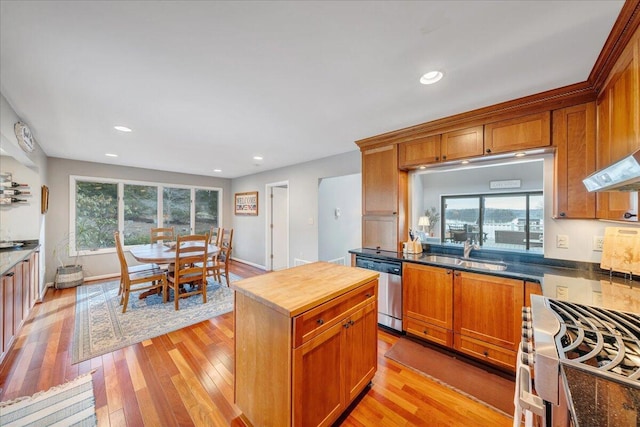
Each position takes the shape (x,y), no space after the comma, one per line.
(318,393)
(360,344)
(7,309)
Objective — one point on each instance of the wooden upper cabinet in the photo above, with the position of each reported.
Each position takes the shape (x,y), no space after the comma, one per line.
(618,129)
(462,143)
(380,181)
(574,135)
(522,133)
(418,152)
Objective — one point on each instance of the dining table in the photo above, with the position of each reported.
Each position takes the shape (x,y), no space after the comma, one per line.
(161,253)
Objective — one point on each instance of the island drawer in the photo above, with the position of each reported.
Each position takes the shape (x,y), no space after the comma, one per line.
(317,320)
(428,331)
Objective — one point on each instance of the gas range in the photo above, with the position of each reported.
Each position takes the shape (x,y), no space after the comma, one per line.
(588,356)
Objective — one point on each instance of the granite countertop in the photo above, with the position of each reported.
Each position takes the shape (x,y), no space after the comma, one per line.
(10,258)
(578,282)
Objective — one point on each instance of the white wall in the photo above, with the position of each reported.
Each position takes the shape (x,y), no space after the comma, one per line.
(338,234)
(250,231)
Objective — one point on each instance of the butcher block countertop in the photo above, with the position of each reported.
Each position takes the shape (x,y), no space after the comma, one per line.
(295,290)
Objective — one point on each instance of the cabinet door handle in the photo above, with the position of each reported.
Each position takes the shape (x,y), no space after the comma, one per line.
(457,274)
(426,332)
(488,150)
(562,214)
(346,325)
(449,271)
(320,321)
(437,158)
(368,295)
(10,274)
(628,215)
(486,353)
(444,157)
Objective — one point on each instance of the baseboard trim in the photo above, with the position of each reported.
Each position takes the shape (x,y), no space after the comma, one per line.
(252,264)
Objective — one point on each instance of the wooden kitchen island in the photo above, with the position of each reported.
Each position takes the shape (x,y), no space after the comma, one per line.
(305,343)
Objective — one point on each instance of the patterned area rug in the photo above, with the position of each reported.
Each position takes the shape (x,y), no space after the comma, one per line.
(69,404)
(101,327)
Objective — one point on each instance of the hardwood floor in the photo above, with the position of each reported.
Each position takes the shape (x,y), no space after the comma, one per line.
(186,377)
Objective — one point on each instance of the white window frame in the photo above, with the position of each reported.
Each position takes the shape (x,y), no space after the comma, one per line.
(73,179)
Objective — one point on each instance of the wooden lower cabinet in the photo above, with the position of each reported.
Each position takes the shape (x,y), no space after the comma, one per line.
(476,314)
(16,299)
(428,302)
(8,313)
(488,317)
(303,357)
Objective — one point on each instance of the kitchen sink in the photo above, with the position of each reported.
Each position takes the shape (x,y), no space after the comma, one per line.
(441,259)
(466,263)
(480,265)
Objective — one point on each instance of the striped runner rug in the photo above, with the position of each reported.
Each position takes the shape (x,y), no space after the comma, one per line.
(69,404)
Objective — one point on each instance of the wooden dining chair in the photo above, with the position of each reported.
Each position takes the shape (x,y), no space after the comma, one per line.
(149,275)
(215,238)
(221,265)
(190,267)
(163,233)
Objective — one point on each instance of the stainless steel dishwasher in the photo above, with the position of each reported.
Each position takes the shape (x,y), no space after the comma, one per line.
(389,290)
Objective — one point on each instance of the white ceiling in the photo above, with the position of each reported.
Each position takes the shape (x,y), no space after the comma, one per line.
(208,85)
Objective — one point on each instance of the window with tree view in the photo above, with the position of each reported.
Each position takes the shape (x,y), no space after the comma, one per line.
(102,206)
(508,221)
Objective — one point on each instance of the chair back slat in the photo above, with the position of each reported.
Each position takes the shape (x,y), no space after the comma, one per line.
(191,257)
(123,260)
(163,233)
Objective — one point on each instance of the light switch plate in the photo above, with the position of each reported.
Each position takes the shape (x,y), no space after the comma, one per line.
(562,241)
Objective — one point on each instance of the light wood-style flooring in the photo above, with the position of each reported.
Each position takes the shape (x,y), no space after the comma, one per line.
(186,377)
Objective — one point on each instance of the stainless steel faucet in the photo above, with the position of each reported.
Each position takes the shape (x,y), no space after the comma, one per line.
(468,247)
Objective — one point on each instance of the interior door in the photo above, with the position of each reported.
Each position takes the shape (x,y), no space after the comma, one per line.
(278,227)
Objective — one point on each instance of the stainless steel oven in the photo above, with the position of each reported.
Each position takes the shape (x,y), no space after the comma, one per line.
(585,362)
(389,290)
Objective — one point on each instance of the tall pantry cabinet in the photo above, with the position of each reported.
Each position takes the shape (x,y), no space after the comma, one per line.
(384,199)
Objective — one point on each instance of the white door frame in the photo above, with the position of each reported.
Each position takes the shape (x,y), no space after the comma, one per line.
(267,249)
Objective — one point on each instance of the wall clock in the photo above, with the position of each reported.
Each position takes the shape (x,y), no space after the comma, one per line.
(25,139)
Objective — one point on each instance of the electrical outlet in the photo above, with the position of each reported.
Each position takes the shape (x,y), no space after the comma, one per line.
(598,242)
(562,241)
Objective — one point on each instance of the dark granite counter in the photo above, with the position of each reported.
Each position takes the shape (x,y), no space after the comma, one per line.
(10,257)
(580,282)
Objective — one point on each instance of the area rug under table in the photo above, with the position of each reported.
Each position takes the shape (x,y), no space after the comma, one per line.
(494,389)
(69,404)
(101,327)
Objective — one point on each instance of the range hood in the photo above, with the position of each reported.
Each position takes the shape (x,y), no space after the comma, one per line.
(623,175)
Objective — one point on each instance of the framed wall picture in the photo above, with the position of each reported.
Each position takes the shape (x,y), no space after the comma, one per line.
(44,201)
(246,203)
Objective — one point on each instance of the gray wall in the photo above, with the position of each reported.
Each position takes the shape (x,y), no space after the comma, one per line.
(338,234)
(58,217)
(250,231)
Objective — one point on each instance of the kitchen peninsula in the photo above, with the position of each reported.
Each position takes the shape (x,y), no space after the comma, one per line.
(305,343)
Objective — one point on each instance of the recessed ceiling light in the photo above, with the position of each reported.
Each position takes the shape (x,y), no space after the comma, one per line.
(217,170)
(422,167)
(431,77)
(122,128)
(465,162)
(257,157)
(521,154)
(111,155)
